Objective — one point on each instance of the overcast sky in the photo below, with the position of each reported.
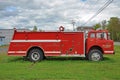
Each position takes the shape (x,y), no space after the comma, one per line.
(50,14)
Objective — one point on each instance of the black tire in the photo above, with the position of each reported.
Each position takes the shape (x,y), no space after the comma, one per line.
(95,55)
(86,56)
(35,55)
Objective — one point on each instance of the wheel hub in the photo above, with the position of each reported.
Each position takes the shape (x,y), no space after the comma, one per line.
(95,56)
(35,56)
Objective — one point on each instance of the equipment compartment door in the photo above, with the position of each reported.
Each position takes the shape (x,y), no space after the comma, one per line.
(72,43)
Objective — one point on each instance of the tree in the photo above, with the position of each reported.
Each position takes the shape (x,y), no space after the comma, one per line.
(114,28)
(35,28)
(96,26)
(103,24)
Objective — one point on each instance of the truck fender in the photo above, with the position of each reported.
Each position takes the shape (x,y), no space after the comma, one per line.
(96,47)
(33,48)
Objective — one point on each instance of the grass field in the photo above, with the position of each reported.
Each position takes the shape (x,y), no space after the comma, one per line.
(15,68)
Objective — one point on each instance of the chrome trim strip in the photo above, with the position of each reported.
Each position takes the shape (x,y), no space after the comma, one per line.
(108,51)
(16,51)
(52,51)
(75,55)
(36,41)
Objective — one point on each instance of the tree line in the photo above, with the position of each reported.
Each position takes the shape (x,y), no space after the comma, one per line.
(112,25)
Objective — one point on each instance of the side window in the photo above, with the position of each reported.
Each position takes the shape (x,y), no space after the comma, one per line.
(101,35)
(98,35)
(92,35)
(109,36)
(0,39)
(105,35)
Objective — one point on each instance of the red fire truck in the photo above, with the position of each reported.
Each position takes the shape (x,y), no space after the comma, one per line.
(37,45)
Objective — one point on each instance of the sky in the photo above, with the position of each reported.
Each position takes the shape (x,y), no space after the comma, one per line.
(50,14)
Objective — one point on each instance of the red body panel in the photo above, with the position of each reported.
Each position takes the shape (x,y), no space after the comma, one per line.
(52,43)
(59,43)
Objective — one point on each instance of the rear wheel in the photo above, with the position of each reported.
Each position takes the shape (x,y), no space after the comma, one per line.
(35,55)
(95,55)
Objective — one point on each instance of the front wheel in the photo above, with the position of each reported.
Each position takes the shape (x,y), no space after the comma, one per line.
(35,55)
(95,55)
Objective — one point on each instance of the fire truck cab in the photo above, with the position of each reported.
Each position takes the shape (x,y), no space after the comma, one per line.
(35,46)
(97,44)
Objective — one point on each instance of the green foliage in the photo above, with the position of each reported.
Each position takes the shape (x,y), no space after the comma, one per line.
(103,24)
(35,28)
(96,26)
(114,28)
(60,68)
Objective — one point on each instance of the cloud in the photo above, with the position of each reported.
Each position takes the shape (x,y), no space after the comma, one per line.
(51,14)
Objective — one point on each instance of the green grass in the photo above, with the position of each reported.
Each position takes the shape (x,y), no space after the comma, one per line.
(15,68)
(4,46)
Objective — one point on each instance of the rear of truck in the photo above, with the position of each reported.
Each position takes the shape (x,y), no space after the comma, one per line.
(17,45)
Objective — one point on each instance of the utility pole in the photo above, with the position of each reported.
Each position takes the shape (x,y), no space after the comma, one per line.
(73,23)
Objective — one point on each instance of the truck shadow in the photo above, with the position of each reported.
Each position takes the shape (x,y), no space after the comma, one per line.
(64,58)
(21,59)
(72,59)
(18,59)
(106,59)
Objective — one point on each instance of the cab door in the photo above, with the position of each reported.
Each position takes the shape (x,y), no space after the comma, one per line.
(102,40)
(90,41)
